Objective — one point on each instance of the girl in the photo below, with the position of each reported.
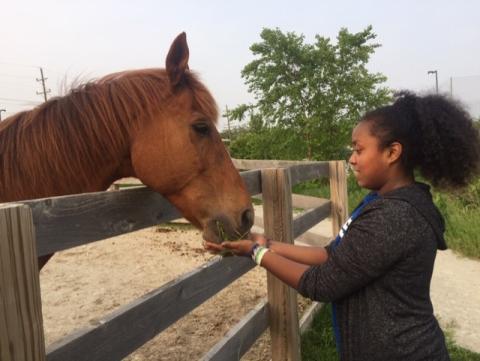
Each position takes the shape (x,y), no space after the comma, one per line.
(377,271)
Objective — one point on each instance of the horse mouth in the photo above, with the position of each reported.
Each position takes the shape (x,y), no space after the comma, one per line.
(217,231)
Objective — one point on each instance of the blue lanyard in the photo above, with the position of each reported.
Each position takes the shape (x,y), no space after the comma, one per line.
(357,211)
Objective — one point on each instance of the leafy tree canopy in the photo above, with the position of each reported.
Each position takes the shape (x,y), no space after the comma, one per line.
(313,92)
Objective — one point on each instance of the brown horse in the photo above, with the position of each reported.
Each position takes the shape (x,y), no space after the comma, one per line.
(154,124)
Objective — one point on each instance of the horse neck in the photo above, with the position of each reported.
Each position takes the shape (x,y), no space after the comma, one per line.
(30,169)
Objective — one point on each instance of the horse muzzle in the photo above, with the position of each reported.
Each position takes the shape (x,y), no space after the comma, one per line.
(221,228)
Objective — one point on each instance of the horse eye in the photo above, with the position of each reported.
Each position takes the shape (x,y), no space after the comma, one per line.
(201,128)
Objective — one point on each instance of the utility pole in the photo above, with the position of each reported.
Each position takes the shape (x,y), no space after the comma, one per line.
(228,123)
(451,86)
(45,91)
(436,78)
(2,110)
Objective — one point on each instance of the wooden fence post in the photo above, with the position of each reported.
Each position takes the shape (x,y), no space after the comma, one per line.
(338,194)
(21,324)
(282,300)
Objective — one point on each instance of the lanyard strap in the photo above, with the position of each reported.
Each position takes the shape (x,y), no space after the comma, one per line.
(356,212)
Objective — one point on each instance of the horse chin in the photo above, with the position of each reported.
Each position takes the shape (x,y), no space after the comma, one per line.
(210,235)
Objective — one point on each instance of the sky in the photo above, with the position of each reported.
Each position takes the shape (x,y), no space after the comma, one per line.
(83,40)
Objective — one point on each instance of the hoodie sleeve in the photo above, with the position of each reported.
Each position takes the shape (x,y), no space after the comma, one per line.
(374,242)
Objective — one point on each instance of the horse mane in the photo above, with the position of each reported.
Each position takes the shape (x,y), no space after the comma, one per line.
(91,123)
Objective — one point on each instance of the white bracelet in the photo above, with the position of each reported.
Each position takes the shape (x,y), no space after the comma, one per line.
(259,254)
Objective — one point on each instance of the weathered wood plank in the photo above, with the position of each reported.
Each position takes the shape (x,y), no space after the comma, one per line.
(253,181)
(313,239)
(69,221)
(126,329)
(305,239)
(302,201)
(338,194)
(277,217)
(307,202)
(303,172)
(21,324)
(308,219)
(241,337)
(270,163)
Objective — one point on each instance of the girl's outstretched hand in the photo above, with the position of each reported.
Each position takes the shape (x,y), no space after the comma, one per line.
(241,247)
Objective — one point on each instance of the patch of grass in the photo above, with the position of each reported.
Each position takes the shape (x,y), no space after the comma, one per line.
(318,343)
(256,201)
(225,237)
(458,353)
(315,188)
(122,186)
(175,226)
(462,223)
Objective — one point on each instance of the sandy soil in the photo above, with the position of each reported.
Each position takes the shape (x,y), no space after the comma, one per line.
(455,294)
(88,282)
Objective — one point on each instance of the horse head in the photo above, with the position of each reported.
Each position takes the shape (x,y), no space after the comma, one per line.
(179,153)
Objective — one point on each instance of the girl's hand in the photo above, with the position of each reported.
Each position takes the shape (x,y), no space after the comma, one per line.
(242,247)
(211,247)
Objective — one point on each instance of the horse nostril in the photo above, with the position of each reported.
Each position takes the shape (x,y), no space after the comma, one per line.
(247,219)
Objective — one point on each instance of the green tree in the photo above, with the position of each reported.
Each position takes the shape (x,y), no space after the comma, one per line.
(314,92)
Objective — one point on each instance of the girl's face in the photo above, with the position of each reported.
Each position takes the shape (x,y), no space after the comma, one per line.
(368,161)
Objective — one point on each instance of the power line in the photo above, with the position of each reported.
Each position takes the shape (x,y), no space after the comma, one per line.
(18,64)
(16,76)
(16,100)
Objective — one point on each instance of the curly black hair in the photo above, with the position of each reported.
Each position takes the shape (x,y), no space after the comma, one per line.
(437,135)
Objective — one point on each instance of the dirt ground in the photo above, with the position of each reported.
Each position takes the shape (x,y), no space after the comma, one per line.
(455,292)
(88,282)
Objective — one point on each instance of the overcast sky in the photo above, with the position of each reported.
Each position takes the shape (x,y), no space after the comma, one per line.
(88,39)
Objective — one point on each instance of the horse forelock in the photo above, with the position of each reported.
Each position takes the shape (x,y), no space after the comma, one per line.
(202,98)
(100,114)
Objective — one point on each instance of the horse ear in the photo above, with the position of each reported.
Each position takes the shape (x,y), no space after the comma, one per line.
(177,59)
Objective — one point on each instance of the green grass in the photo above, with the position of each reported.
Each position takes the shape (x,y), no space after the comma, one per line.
(318,343)
(461,211)
(175,226)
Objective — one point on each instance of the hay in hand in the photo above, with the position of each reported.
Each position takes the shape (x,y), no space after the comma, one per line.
(224,236)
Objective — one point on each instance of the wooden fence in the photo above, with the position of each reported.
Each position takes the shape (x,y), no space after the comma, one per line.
(38,227)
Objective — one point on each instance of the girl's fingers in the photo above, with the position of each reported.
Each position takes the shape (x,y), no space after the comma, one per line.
(210,246)
(227,244)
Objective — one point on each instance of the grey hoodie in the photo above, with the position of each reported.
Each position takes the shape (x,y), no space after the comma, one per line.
(379,277)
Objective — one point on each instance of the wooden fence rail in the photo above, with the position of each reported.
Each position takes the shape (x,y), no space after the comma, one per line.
(64,222)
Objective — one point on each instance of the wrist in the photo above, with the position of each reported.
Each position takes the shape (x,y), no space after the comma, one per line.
(253,250)
(258,253)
